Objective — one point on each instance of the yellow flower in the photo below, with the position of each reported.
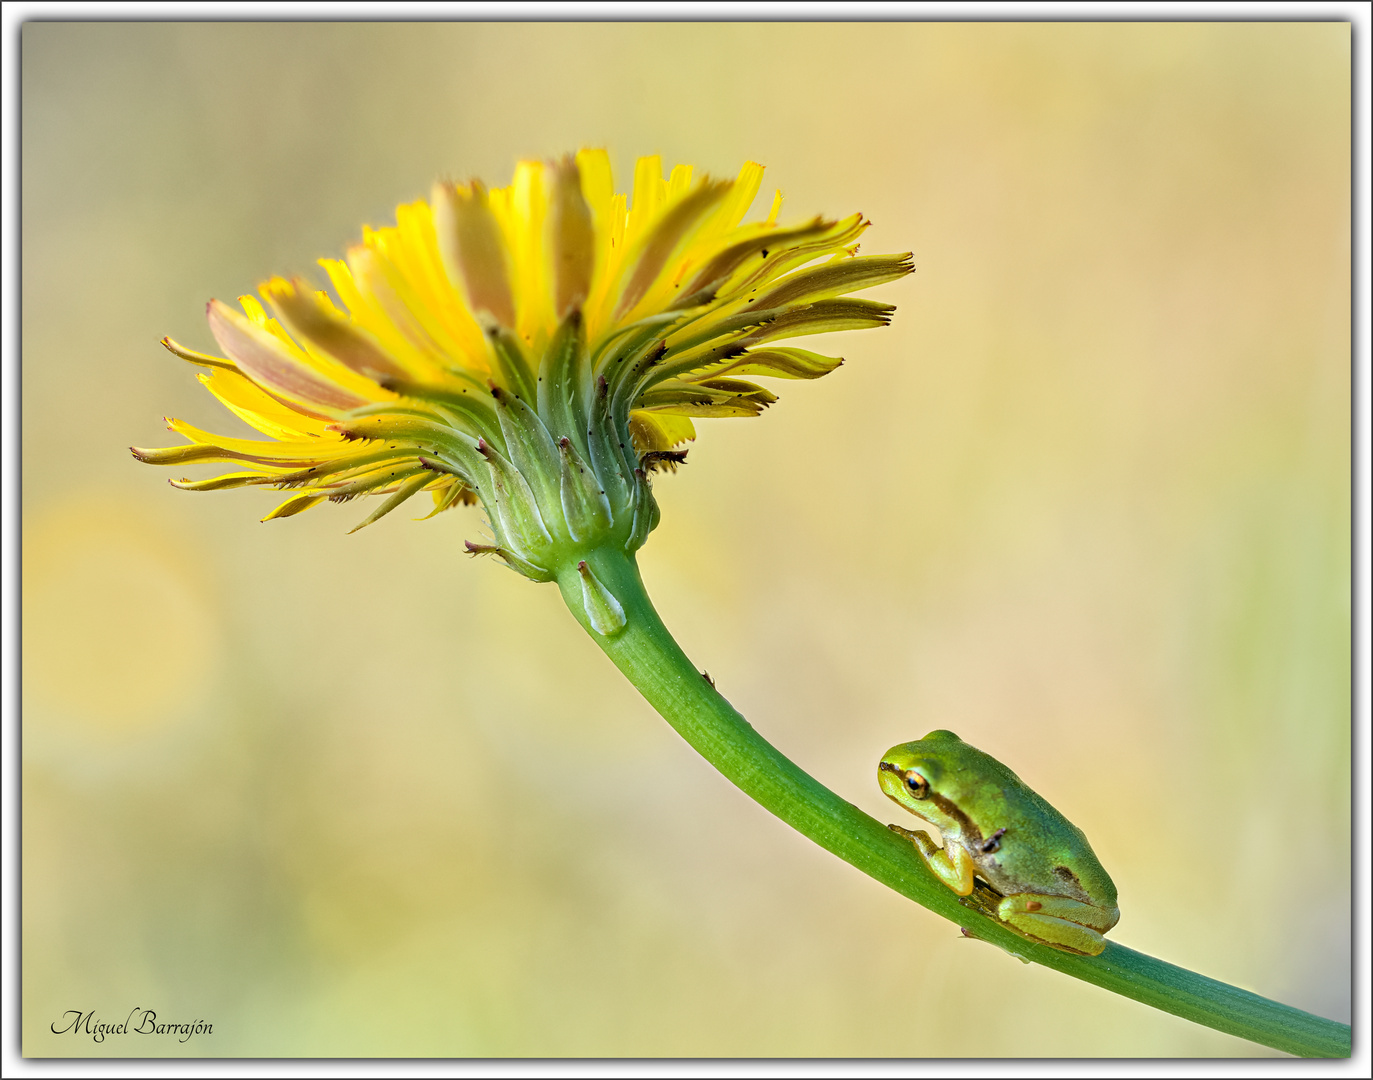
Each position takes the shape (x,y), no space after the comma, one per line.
(541,347)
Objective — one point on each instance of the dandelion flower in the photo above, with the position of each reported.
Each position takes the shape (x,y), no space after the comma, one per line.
(541,348)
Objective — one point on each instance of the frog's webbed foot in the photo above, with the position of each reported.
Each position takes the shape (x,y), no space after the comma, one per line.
(951,864)
(983,899)
(919,837)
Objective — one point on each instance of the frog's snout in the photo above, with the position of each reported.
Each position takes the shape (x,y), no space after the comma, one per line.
(889,780)
(888,777)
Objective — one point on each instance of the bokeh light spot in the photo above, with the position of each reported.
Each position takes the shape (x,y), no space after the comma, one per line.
(118,629)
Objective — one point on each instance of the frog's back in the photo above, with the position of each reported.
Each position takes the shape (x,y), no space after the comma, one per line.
(1040,845)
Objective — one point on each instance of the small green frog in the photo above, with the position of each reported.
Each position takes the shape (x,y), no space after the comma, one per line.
(996,828)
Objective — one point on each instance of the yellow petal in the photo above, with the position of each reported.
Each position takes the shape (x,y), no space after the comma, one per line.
(649,194)
(741,195)
(250,403)
(659,430)
(294,505)
(307,316)
(473,249)
(524,230)
(659,245)
(325,446)
(574,252)
(266,360)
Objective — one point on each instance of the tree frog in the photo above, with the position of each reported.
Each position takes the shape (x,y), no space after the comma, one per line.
(996,828)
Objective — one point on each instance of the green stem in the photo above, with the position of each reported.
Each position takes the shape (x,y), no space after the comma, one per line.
(649,657)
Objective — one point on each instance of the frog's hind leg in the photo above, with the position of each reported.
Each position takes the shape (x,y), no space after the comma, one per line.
(1059,921)
(951,864)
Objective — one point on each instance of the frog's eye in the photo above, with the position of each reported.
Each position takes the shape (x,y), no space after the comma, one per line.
(917,784)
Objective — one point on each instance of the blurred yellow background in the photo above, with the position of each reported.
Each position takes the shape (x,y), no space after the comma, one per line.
(1086,503)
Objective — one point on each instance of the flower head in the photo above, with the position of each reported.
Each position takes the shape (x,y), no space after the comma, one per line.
(541,348)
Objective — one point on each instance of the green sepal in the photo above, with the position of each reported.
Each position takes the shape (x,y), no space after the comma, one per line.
(607,456)
(532,453)
(780,363)
(516,520)
(629,344)
(605,614)
(585,506)
(646,512)
(692,336)
(408,487)
(737,387)
(457,445)
(822,317)
(838,276)
(471,407)
(624,394)
(710,397)
(561,398)
(511,364)
(528,569)
(229,480)
(366,481)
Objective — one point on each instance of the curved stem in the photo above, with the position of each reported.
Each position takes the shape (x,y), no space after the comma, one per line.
(649,657)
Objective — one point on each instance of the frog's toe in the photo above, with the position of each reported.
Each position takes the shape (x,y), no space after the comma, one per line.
(1056,921)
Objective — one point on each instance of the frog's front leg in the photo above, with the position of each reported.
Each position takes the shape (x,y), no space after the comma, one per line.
(951,864)
(1059,921)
